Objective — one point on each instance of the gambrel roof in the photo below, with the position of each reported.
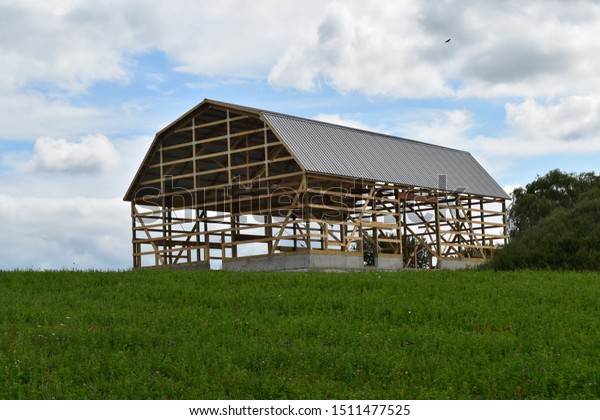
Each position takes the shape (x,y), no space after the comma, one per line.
(348,152)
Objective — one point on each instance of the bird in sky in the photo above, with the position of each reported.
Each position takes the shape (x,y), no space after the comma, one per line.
(448,40)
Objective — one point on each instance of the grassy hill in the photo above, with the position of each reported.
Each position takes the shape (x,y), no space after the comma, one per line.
(218,335)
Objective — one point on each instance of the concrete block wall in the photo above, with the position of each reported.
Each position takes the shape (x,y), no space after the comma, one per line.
(306,262)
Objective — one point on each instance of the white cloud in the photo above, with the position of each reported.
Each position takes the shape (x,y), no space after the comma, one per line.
(570,119)
(72,44)
(533,127)
(52,42)
(342,120)
(535,49)
(397,49)
(448,128)
(56,220)
(568,126)
(21,177)
(383,48)
(30,115)
(74,232)
(363,47)
(511,187)
(94,153)
(226,38)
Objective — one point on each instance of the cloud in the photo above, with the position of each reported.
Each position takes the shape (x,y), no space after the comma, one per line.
(54,220)
(507,48)
(397,49)
(570,125)
(341,120)
(448,128)
(553,130)
(51,116)
(570,119)
(384,48)
(94,153)
(73,232)
(50,41)
(361,47)
(510,188)
(72,45)
(231,39)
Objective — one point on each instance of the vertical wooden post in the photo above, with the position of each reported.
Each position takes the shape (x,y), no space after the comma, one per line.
(206,239)
(294,233)
(136,258)
(163,209)
(375,233)
(404,237)
(469,222)
(504,222)
(438,239)
(482,221)
(230,183)
(197,227)
(266,142)
(168,249)
(398,218)
(304,216)
(460,224)
(235,224)
(247,159)
(343,220)
(229,176)
(268,220)
(195,203)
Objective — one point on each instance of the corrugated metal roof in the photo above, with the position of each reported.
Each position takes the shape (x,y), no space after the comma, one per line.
(337,150)
(332,149)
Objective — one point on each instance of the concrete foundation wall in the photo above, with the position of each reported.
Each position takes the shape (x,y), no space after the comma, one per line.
(194,266)
(308,262)
(388,263)
(456,264)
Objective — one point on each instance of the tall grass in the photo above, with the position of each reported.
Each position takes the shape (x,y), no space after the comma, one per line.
(218,335)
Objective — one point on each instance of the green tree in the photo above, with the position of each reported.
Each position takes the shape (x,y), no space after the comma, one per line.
(538,199)
(554,223)
(568,239)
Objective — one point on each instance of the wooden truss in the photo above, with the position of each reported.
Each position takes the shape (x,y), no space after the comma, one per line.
(221,185)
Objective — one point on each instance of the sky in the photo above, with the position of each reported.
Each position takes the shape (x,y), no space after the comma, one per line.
(85,85)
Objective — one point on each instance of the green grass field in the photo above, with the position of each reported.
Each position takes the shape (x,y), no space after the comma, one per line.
(218,335)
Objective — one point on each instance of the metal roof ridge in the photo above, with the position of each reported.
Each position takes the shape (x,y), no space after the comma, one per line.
(345,127)
(324,123)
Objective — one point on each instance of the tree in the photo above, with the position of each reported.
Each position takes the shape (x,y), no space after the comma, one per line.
(554,223)
(568,239)
(538,199)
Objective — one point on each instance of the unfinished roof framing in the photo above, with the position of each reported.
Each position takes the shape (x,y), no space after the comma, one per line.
(232,183)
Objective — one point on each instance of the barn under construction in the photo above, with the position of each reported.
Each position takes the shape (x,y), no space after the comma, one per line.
(260,190)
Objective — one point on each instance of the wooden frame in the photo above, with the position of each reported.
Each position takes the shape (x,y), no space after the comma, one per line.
(219,184)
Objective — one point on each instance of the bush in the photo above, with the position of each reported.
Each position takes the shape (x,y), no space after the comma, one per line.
(568,239)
